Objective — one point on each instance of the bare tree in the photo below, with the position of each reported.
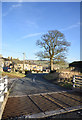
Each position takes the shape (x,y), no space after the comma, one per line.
(54,46)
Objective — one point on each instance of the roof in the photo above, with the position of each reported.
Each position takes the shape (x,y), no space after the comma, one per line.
(6,59)
(76,64)
(32,63)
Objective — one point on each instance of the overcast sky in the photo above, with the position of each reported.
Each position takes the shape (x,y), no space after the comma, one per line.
(23,23)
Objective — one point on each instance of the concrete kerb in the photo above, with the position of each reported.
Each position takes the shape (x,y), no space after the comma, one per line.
(3,104)
(46,93)
(36,94)
(51,113)
(5,100)
(77,89)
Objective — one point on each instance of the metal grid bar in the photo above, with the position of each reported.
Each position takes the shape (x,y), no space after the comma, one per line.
(59,100)
(35,104)
(53,101)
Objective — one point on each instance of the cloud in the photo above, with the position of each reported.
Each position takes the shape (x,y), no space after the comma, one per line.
(31,35)
(71,27)
(28,36)
(11,8)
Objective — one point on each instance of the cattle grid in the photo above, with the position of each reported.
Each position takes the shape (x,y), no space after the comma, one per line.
(41,105)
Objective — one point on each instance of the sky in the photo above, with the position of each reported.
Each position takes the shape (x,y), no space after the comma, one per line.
(23,23)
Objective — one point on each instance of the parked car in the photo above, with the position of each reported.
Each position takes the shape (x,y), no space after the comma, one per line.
(6,69)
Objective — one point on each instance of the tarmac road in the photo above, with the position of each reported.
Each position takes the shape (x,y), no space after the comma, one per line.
(25,102)
(33,84)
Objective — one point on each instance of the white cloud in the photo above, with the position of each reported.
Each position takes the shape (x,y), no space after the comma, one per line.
(31,35)
(11,8)
(71,27)
(28,36)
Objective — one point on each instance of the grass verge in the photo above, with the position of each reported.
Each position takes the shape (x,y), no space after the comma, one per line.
(13,74)
(66,85)
(53,78)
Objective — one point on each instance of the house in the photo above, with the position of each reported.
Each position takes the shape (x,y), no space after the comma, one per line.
(21,66)
(7,62)
(27,66)
(39,68)
(35,67)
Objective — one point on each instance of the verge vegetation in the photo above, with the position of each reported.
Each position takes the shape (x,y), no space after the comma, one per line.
(13,74)
(62,78)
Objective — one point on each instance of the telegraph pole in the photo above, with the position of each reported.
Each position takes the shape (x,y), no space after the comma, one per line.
(23,60)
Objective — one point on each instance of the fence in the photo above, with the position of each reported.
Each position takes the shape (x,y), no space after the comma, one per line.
(77,81)
(3,87)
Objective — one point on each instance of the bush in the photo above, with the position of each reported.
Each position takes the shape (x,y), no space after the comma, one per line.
(66,85)
(20,71)
(51,76)
(27,71)
(52,71)
(16,70)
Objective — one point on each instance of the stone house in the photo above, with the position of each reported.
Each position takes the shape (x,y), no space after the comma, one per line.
(29,67)
(39,67)
(19,66)
(7,62)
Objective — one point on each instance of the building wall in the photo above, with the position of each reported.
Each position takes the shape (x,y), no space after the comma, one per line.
(28,67)
(7,63)
(39,68)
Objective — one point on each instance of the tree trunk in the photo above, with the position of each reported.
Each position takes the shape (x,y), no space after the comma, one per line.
(51,64)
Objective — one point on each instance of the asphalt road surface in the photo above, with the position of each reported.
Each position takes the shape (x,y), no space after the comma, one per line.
(33,84)
(53,101)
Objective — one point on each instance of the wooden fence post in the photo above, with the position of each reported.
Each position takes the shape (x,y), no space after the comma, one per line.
(74,81)
(6,84)
(1,90)
(3,87)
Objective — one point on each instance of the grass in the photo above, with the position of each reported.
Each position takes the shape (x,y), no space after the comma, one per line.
(13,74)
(53,78)
(66,85)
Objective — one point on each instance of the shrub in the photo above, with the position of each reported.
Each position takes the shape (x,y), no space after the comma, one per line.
(52,71)
(20,71)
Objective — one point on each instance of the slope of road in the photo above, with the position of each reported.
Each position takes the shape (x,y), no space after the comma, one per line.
(34,97)
(32,84)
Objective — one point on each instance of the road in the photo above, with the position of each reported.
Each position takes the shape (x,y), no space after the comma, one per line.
(33,84)
(35,97)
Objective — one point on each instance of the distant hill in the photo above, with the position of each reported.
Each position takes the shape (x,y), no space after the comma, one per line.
(45,63)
